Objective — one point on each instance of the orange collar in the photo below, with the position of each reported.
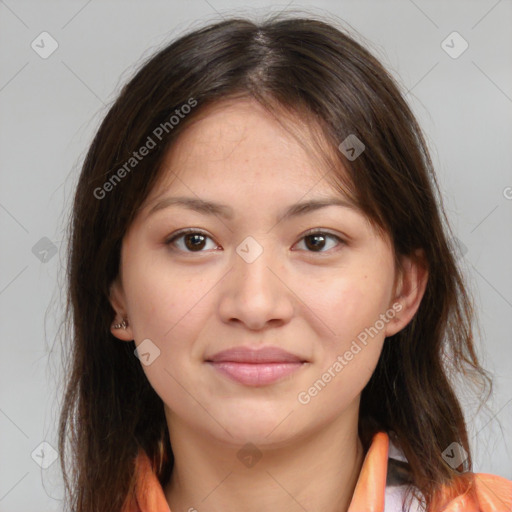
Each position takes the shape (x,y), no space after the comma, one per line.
(492,493)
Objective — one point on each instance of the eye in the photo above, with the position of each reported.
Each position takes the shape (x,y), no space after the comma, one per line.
(194,240)
(316,240)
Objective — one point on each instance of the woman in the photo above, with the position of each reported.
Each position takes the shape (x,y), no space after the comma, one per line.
(262,290)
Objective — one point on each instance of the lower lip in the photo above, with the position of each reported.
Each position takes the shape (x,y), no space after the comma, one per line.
(256,374)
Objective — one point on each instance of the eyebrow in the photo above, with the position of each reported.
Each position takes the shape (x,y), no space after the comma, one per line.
(225,211)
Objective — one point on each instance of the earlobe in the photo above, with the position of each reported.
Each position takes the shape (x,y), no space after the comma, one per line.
(120,326)
(122,330)
(409,291)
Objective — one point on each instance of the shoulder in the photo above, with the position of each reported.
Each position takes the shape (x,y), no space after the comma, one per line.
(481,492)
(471,492)
(490,493)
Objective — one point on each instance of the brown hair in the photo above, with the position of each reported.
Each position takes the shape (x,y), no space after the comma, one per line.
(313,70)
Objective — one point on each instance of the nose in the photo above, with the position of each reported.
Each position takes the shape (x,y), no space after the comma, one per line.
(256,293)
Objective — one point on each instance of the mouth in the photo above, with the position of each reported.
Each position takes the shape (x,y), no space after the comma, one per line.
(252,367)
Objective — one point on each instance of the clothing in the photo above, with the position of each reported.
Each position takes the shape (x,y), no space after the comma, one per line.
(372,494)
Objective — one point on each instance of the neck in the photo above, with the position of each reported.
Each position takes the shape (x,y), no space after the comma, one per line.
(319,471)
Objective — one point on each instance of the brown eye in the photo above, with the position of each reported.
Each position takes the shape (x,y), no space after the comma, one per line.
(317,241)
(189,241)
(194,241)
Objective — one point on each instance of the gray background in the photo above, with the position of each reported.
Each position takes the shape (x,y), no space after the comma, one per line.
(51,107)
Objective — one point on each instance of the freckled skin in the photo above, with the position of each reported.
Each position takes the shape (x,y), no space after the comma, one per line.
(194,304)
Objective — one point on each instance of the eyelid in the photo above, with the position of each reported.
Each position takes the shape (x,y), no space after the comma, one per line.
(185,231)
(322,231)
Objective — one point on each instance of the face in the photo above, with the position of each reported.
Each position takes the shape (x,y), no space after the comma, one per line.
(254,271)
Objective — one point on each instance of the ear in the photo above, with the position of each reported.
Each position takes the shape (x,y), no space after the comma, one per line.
(410,285)
(118,302)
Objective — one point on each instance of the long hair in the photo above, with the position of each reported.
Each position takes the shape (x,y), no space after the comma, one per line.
(319,74)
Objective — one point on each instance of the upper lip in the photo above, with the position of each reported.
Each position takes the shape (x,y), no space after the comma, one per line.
(249,355)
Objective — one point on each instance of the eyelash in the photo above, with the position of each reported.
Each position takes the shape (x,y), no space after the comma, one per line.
(170,240)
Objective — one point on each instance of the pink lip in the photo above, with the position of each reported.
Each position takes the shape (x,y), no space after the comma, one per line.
(250,355)
(256,367)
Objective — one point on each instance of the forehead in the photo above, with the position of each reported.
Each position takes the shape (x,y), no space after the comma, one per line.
(239,143)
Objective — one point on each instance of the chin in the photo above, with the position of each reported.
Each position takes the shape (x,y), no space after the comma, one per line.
(260,427)
(261,437)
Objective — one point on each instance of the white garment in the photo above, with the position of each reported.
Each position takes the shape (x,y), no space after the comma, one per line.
(393,496)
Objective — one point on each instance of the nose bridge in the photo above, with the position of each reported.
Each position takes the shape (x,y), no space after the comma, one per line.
(253,293)
(251,266)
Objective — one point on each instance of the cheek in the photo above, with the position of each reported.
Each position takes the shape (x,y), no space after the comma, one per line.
(160,301)
(342,380)
(170,310)
(349,302)
(351,307)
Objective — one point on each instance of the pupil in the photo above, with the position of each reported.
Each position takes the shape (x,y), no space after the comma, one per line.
(198,245)
(315,245)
